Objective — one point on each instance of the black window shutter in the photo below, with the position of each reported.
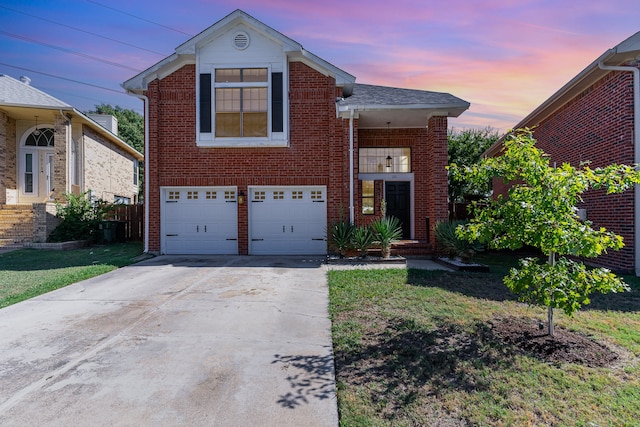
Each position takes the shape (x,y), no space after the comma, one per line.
(277,104)
(205,103)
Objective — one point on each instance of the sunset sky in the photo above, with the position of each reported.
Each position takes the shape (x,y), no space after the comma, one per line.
(504,57)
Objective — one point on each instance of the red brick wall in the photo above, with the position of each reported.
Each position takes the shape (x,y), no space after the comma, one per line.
(317,155)
(597,126)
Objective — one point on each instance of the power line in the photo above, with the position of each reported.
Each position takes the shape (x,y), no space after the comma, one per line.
(63,78)
(138,17)
(73,52)
(82,31)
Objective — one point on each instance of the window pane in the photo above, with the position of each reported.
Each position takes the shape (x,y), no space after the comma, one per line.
(254,75)
(254,124)
(367,189)
(367,206)
(374,160)
(225,75)
(228,100)
(40,138)
(254,99)
(227,124)
(28,175)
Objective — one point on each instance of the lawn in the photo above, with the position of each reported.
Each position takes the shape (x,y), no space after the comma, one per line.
(423,348)
(26,273)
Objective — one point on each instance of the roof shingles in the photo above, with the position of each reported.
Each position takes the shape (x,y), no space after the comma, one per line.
(382,95)
(15,92)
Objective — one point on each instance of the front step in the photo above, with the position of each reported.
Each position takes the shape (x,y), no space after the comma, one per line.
(412,247)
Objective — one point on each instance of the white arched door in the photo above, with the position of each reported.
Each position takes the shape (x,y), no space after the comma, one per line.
(36,165)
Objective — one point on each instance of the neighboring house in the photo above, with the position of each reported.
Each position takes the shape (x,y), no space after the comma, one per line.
(255,146)
(596,117)
(48,148)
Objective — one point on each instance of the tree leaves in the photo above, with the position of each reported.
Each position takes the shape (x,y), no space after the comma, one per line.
(540,211)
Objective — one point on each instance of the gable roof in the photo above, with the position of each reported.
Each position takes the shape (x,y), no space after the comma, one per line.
(186,53)
(626,52)
(379,105)
(22,100)
(18,93)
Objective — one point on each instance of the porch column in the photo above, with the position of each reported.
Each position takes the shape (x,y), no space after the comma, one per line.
(3,157)
(61,137)
(438,209)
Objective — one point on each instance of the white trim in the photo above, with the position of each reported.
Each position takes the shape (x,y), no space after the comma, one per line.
(273,139)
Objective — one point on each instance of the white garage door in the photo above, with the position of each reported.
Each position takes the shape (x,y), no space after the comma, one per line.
(199,220)
(287,220)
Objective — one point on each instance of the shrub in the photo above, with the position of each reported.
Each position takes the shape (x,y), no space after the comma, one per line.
(80,218)
(362,239)
(340,236)
(454,246)
(386,231)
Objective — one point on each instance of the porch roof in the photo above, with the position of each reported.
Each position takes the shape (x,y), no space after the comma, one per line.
(383,106)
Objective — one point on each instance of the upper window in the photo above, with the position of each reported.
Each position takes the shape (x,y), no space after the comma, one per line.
(40,138)
(384,160)
(241,106)
(241,102)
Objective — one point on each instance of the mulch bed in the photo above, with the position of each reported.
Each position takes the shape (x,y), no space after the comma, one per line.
(564,347)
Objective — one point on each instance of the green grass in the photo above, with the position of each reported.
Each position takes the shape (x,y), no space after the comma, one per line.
(415,348)
(27,273)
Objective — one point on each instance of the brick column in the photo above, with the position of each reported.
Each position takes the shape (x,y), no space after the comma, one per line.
(60,138)
(438,209)
(3,157)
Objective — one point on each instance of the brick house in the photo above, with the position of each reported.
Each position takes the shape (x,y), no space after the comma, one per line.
(255,145)
(596,117)
(48,148)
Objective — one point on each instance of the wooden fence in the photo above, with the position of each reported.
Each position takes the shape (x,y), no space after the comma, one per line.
(130,222)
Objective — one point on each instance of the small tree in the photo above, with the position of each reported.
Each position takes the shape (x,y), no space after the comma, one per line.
(540,211)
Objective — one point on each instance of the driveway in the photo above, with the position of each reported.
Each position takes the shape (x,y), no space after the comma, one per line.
(173,341)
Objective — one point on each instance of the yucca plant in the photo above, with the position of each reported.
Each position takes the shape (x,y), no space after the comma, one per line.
(386,231)
(340,237)
(362,239)
(454,246)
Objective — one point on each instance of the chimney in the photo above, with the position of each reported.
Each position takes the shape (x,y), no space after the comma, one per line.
(107,121)
(24,79)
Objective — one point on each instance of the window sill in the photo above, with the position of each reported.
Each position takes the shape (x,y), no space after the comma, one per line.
(242,143)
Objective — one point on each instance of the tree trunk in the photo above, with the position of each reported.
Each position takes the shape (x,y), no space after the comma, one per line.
(552,262)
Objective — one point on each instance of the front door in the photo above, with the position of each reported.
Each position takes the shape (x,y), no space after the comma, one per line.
(398,198)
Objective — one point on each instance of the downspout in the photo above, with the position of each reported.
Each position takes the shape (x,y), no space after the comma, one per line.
(636,150)
(351,183)
(145,100)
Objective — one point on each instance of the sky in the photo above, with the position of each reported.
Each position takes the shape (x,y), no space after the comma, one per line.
(504,57)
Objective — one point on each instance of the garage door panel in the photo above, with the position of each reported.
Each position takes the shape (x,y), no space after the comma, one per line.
(200,220)
(287,221)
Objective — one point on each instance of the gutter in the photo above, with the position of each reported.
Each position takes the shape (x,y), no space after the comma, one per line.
(636,149)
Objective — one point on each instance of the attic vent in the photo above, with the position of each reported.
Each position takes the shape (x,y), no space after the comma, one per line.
(241,40)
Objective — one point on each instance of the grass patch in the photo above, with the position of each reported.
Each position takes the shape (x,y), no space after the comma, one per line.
(27,273)
(420,348)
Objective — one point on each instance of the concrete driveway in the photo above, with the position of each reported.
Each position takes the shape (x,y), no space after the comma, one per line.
(174,341)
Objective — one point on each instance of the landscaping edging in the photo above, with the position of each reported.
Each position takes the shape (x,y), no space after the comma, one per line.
(456,264)
(394,260)
(59,246)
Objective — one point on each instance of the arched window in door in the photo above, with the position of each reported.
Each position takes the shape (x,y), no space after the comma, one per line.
(40,138)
